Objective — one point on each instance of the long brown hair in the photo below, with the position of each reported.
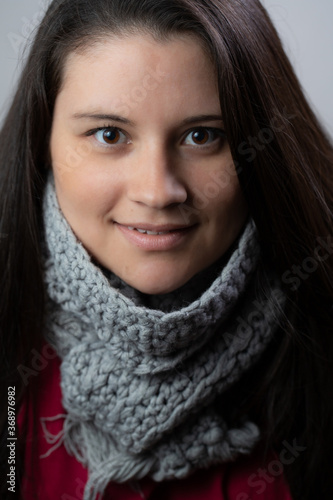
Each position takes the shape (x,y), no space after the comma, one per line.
(284,162)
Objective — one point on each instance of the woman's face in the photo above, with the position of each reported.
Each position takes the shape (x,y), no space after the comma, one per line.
(138,144)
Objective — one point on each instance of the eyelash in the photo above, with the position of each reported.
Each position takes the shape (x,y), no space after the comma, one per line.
(219,133)
(99,129)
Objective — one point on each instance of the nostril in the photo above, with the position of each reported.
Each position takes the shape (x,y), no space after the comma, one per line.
(158,193)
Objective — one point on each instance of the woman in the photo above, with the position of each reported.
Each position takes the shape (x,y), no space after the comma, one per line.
(166,213)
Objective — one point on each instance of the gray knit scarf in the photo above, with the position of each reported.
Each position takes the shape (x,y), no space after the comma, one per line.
(140,375)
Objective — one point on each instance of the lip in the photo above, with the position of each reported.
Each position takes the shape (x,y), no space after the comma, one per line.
(163,242)
(156,228)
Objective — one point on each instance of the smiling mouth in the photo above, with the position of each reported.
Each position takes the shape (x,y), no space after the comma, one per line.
(155,233)
(149,237)
(155,230)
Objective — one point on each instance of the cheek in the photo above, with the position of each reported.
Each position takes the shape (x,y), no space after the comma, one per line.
(84,197)
(228,211)
(219,192)
(82,188)
(70,161)
(232,196)
(227,215)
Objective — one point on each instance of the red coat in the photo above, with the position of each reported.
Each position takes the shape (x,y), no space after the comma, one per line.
(61,477)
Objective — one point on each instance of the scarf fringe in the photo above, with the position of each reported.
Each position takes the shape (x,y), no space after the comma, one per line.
(122,468)
(56,439)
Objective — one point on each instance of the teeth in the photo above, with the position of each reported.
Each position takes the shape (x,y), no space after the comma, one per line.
(143,231)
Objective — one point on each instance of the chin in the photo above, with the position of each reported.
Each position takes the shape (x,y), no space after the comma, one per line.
(158,286)
(158,289)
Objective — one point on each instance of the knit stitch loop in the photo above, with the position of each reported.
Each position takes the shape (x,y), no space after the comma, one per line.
(140,382)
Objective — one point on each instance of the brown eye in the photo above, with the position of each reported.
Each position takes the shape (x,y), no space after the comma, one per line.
(111,136)
(204,136)
(200,136)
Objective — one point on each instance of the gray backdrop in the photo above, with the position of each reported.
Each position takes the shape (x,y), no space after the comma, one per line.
(304,25)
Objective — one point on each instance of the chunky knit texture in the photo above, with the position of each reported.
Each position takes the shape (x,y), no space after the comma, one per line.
(140,375)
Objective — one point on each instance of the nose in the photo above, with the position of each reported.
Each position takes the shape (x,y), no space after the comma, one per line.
(154,180)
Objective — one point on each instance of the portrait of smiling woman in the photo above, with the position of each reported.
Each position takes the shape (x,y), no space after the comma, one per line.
(166,260)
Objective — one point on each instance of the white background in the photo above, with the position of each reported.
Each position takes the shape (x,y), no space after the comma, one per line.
(305,27)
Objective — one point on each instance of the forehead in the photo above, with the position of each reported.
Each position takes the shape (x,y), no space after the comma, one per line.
(132,53)
(141,75)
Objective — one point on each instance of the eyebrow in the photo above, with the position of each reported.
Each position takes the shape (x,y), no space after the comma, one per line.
(116,118)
